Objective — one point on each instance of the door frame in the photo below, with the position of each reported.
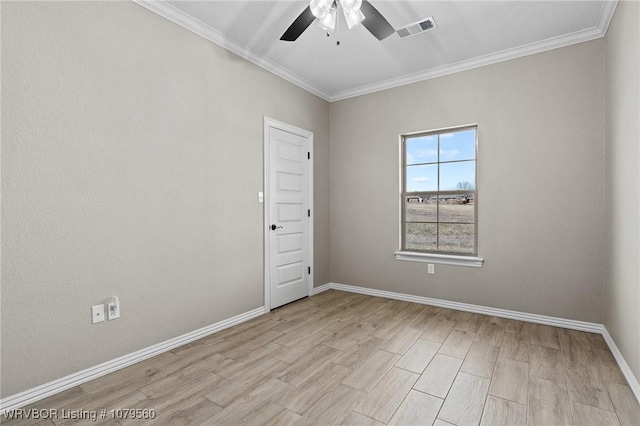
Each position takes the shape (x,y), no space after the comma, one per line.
(275,124)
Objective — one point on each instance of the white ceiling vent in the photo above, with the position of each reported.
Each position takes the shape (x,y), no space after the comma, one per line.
(419,27)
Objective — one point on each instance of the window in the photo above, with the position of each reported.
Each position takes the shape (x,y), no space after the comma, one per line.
(439,197)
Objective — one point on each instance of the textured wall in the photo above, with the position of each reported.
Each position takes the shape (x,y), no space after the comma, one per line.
(540,183)
(622,281)
(131,160)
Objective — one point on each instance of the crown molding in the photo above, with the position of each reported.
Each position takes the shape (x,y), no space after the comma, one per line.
(599,31)
(188,22)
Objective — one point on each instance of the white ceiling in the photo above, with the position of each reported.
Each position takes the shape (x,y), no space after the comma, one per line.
(469,34)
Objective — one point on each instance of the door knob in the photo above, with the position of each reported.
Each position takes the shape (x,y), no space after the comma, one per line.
(274,227)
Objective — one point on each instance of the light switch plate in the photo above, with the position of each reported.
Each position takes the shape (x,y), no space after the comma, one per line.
(97,314)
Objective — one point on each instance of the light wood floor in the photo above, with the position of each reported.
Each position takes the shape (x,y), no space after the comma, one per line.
(341,358)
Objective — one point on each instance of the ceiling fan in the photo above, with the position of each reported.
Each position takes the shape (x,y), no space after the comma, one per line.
(326,12)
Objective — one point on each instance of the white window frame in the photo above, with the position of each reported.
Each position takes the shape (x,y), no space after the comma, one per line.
(471,260)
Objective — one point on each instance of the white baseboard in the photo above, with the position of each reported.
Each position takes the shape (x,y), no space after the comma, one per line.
(590,327)
(320,289)
(624,367)
(43,391)
(503,313)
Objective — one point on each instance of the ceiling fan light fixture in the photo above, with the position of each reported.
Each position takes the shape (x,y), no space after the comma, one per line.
(328,22)
(320,8)
(351,5)
(353,18)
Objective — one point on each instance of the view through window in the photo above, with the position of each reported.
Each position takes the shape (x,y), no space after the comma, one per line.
(439,196)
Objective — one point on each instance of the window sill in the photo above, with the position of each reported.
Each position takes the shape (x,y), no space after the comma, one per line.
(446,259)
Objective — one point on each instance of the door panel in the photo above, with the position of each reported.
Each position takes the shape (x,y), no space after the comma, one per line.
(288,202)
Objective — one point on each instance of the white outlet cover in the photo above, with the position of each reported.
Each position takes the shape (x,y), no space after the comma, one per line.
(113,309)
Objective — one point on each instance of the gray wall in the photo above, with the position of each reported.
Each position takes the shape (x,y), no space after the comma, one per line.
(622,280)
(540,183)
(131,161)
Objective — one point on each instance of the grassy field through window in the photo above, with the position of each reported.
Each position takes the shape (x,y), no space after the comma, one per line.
(443,225)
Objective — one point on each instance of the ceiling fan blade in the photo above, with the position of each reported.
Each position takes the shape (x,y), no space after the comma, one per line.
(375,22)
(301,23)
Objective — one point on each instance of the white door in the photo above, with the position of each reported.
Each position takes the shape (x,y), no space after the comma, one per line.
(288,215)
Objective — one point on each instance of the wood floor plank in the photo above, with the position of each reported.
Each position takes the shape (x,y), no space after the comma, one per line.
(168,393)
(491,331)
(514,347)
(573,333)
(608,367)
(249,365)
(586,415)
(480,359)
(596,342)
(334,406)
(625,404)
(457,344)
(411,312)
(308,365)
(283,418)
(372,370)
(348,336)
(385,397)
(417,409)
(403,340)
(469,322)
(198,412)
(133,399)
(418,356)
(388,329)
(357,419)
(134,377)
(356,356)
(545,335)
(300,398)
(256,406)
(424,318)
(302,337)
(466,400)
(498,411)
(584,386)
(235,389)
(546,363)
(250,329)
(439,375)
(520,328)
(510,380)
(575,350)
(438,329)
(548,403)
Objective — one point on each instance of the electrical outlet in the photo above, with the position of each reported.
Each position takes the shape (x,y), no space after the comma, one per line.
(261,197)
(113,308)
(97,314)
(431,269)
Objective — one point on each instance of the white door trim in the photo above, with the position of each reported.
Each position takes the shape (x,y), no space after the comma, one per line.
(271,123)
